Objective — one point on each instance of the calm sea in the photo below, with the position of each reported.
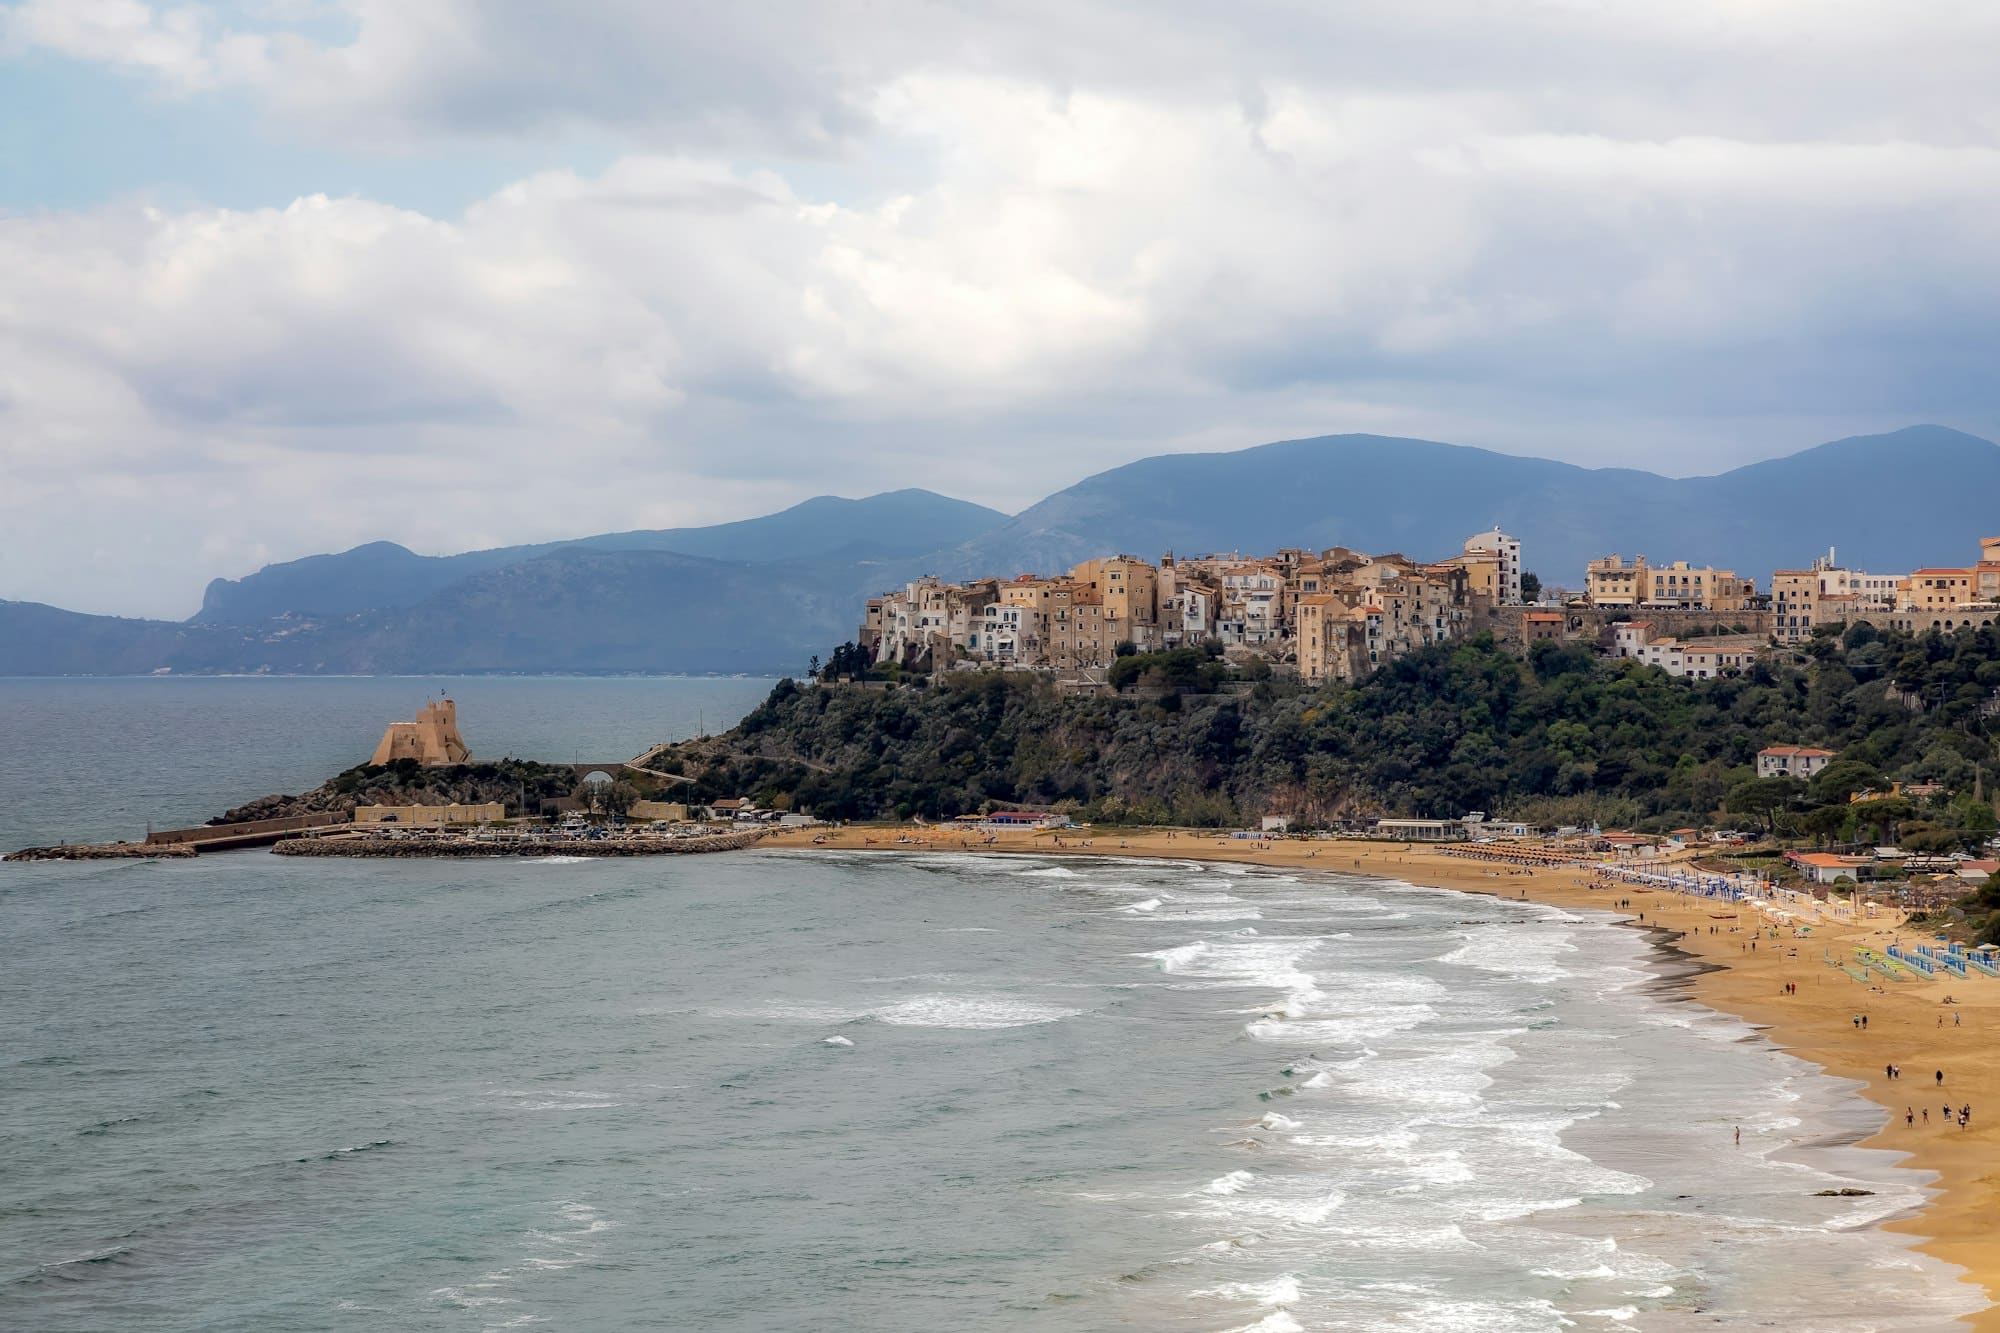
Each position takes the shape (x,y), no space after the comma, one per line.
(796,1091)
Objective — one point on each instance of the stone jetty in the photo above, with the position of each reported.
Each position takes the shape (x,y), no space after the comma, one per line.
(101,851)
(459,846)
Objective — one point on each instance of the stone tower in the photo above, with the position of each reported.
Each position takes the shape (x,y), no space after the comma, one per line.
(430,740)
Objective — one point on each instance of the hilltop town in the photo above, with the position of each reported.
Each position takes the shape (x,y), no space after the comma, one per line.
(1338,614)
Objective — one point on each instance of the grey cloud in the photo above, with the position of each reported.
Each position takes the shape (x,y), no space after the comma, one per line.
(987,250)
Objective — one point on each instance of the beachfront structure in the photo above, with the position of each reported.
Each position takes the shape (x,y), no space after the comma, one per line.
(491,812)
(1791,761)
(1828,868)
(1610,581)
(1030,819)
(431,740)
(671,812)
(1421,830)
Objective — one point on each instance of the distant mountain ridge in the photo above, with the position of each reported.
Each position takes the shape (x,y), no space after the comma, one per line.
(1380,493)
(764,594)
(383,575)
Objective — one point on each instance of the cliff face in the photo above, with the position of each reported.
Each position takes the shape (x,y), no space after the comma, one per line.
(1558,737)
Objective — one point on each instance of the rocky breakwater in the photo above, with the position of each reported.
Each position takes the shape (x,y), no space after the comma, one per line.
(100,851)
(347,844)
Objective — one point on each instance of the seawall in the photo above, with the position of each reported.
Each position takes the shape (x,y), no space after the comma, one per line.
(490,847)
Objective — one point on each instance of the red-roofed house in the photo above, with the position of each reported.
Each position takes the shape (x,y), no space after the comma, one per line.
(1825,868)
(1791,761)
(1539,625)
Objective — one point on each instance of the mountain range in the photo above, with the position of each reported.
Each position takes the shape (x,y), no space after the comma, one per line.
(766,593)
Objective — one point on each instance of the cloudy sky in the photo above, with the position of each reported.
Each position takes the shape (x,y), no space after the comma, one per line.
(282,276)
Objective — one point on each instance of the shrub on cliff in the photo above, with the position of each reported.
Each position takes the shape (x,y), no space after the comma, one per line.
(1457,727)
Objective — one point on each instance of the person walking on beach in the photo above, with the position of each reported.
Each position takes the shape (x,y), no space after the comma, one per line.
(1739,1136)
(1940,1078)
(1910,1115)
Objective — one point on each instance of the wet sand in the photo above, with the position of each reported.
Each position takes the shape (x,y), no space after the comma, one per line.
(1961,1224)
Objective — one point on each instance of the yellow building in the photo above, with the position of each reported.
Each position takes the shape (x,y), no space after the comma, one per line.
(1322,638)
(490,813)
(1484,574)
(672,812)
(1612,582)
(1130,591)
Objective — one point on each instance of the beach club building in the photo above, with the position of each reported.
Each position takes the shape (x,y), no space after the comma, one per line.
(1827,868)
(1004,819)
(1420,830)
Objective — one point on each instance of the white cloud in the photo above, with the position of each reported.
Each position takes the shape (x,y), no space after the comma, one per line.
(1007,249)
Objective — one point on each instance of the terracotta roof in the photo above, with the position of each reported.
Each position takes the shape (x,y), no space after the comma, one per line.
(1796,752)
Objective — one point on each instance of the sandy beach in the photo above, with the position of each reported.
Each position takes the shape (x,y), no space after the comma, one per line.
(1909,1023)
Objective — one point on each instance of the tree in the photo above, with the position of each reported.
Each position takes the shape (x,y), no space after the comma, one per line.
(1762,797)
(812,667)
(1842,778)
(1824,822)
(1531,587)
(1885,815)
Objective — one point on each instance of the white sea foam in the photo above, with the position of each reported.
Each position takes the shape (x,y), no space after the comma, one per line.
(1233,1183)
(560,860)
(561,1099)
(972,1012)
(1512,952)
(835,1041)
(1278,1321)
(1280,1291)
(1149,905)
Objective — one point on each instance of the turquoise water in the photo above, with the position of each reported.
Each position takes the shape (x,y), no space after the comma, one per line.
(787,1091)
(91,760)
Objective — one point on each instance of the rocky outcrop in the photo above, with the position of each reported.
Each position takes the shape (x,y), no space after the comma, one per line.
(411,784)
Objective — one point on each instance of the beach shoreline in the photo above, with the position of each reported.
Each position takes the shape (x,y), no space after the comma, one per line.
(1909,1024)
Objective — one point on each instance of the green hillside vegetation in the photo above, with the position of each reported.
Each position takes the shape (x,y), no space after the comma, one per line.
(406,782)
(1561,737)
